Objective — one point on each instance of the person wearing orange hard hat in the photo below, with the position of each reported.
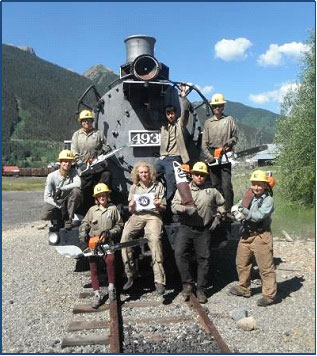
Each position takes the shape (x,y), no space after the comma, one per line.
(254,211)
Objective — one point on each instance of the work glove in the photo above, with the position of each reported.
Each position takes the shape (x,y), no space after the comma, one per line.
(103,237)
(230,143)
(237,213)
(190,210)
(81,165)
(211,161)
(60,203)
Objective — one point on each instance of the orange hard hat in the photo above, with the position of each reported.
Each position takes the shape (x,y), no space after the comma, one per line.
(271,181)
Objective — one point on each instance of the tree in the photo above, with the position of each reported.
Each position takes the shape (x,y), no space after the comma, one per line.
(295,135)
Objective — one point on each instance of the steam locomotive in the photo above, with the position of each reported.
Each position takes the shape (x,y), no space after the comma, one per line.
(131,112)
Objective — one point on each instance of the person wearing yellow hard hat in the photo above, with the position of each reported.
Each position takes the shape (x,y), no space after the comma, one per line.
(62,194)
(195,231)
(87,144)
(218,139)
(256,208)
(102,224)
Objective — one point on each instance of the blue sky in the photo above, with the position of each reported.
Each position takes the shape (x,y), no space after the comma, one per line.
(248,51)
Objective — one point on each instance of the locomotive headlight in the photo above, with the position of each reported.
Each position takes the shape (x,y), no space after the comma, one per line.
(53,238)
(146,67)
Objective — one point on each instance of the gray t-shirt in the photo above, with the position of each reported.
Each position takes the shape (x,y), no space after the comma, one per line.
(56,181)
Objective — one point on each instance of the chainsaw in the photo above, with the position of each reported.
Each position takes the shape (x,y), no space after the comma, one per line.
(73,251)
(90,165)
(225,154)
(97,249)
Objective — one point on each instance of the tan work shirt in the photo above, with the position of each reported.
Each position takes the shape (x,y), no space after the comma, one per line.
(168,131)
(88,145)
(218,132)
(172,149)
(157,188)
(208,201)
(99,219)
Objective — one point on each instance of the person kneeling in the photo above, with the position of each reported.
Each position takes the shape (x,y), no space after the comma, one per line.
(62,194)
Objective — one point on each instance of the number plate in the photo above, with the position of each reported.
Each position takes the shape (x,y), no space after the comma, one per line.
(139,138)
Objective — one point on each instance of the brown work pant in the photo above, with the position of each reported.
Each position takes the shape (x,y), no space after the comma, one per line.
(152,225)
(261,246)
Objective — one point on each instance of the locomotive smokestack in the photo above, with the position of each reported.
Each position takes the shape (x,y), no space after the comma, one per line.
(138,45)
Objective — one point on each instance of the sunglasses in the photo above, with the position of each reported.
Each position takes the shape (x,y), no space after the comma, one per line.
(200,175)
(218,106)
(87,120)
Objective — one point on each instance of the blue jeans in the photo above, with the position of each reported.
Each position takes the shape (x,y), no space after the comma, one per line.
(165,166)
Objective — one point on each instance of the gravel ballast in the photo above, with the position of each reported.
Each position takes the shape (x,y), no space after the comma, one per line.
(40,289)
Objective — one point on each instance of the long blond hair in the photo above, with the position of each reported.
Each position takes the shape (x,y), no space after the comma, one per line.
(135,171)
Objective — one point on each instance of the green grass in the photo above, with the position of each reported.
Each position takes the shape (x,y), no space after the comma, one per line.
(23,183)
(297,221)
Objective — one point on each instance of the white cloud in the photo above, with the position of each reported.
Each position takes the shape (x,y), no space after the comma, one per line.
(232,50)
(207,89)
(274,95)
(275,54)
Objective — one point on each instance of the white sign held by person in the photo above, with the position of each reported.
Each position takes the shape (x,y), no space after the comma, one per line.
(144,201)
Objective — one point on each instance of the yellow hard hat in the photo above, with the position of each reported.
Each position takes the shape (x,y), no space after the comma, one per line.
(66,155)
(259,176)
(101,188)
(217,99)
(85,114)
(200,167)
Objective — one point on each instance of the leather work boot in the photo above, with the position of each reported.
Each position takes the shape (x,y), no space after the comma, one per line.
(240,292)
(98,300)
(128,284)
(112,294)
(68,224)
(187,291)
(201,296)
(264,302)
(160,288)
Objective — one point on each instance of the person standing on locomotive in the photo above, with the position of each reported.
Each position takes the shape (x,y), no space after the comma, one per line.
(87,143)
(194,231)
(102,221)
(220,132)
(62,194)
(256,240)
(146,203)
(173,146)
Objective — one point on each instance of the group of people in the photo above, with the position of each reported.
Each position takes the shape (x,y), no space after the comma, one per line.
(212,198)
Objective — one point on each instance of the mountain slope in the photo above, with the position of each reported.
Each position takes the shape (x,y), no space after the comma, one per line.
(40,104)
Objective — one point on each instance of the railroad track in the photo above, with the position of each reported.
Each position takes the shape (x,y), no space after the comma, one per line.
(151,324)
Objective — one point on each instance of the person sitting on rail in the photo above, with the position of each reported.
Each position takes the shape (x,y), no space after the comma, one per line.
(194,231)
(102,223)
(173,146)
(62,194)
(87,144)
(146,203)
(256,240)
